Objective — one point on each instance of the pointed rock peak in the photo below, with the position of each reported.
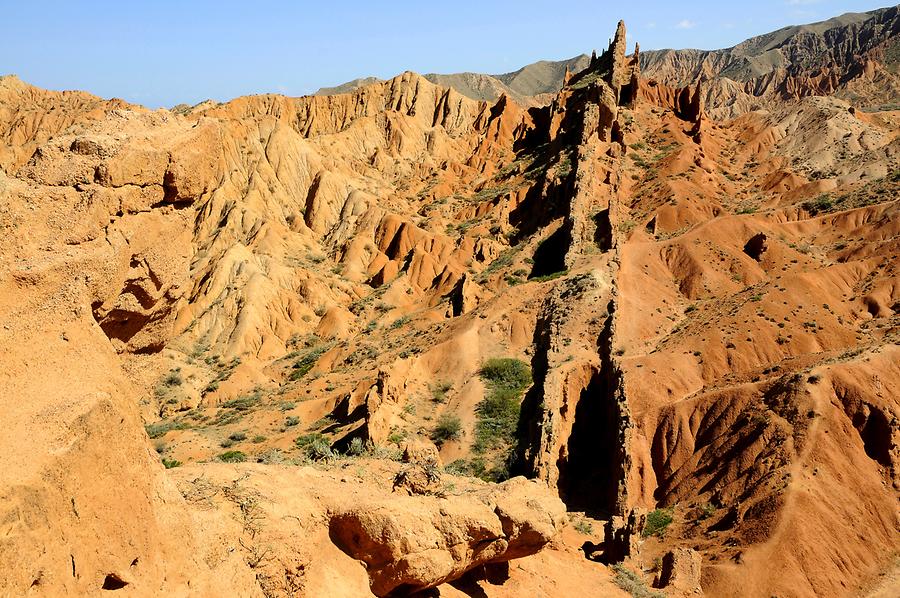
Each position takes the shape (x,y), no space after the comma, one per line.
(620,33)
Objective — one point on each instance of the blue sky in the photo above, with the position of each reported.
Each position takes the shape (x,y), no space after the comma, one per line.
(166,52)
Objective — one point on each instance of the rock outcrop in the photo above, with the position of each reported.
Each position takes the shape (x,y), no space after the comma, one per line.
(420,544)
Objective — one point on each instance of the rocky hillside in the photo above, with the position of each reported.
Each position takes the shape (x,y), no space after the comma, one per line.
(531,85)
(855,56)
(399,339)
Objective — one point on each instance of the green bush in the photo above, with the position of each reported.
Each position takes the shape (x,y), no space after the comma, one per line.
(232,457)
(161,428)
(822,203)
(315,446)
(657,522)
(238,436)
(357,447)
(170,463)
(291,421)
(439,391)
(449,427)
(244,403)
(506,372)
(306,362)
(173,378)
(549,277)
(498,413)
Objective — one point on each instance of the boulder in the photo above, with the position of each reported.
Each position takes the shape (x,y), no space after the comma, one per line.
(421,542)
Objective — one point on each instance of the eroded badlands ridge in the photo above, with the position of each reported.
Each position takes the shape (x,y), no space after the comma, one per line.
(683,329)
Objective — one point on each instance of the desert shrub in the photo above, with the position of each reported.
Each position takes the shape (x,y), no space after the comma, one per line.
(238,436)
(507,373)
(549,277)
(315,446)
(291,421)
(170,463)
(173,378)
(474,467)
(401,321)
(821,204)
(232,457)
(498,414)
(449,427)
(306,362)
(657,522)
(160,429)
(324,422)
(396,436)
(632,583)
(439,391)
(258,438)
(357,447)
(244,403)
(583,526)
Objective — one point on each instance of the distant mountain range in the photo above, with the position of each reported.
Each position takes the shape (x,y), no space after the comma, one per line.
(818,57)
(526,85)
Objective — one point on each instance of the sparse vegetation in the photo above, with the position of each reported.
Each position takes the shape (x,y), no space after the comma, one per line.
(439,391)
(657,522)
(823,203)
(632,583)
(232,457)
(706,510)
(244,403)
(498,414)
(357,447)
(324,422)
(306,362)
(583,526)
(449,427)
(173,378)
(399,322)
(315,446)
(161,428)
(170,463)
(548,277)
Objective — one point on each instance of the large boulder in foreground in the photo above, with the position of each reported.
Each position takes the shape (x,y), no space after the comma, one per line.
(420,542)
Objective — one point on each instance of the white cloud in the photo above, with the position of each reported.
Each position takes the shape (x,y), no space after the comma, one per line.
(685,24)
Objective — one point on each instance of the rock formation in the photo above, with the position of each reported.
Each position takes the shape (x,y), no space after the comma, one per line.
(682,326)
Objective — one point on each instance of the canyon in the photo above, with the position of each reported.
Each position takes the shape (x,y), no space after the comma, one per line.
(638,335)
